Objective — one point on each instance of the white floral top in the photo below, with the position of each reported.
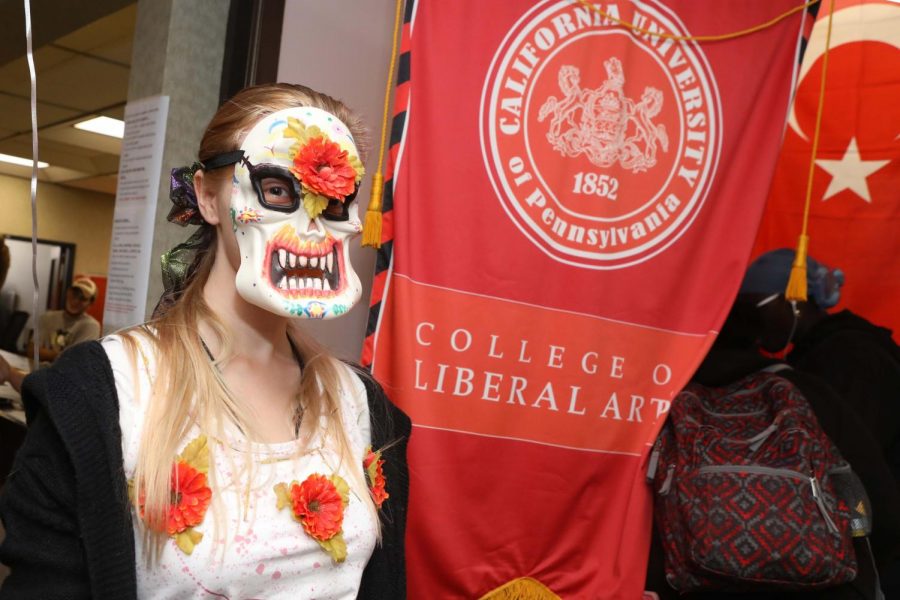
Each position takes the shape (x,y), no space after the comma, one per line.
(263,552)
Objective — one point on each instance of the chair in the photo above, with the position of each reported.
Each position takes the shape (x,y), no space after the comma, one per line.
(12,329)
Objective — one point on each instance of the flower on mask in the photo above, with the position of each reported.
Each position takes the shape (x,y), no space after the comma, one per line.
(372,464)
(326,171)
(324,168)
(189,497)
(318,505)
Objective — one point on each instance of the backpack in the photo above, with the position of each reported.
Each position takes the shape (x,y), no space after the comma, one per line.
(745,483)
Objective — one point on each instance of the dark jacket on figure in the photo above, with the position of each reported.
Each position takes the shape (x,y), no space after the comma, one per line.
(861,361)
(69,531)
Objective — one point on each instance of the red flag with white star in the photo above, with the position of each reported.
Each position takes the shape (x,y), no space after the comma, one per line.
(855,209)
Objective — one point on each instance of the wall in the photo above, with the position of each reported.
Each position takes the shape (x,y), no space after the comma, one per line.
(178,50)
(65,215)
(342,48)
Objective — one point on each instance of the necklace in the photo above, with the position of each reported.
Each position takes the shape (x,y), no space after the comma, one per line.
(298,408)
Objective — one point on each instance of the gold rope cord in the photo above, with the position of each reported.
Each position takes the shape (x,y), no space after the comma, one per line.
(796,285)
(372,227)
(700,38)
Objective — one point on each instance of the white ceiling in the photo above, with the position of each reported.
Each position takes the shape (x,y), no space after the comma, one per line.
(81,74)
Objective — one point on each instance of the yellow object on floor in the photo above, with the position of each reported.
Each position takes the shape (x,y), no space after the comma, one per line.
(523,588)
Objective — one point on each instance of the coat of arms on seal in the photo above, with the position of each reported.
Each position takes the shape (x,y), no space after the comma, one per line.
(601,142)
(604,124)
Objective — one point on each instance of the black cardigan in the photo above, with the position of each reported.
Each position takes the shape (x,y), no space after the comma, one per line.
(68,521)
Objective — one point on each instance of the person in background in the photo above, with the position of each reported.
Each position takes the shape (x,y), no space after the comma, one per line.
(61,329)
(858,359)
(734,355)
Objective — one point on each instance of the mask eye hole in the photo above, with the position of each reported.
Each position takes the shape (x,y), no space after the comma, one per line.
(340,211)
(277,192)
(276,188)
(336,211)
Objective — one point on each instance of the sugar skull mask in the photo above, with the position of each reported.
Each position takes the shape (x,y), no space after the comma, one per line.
(294,211)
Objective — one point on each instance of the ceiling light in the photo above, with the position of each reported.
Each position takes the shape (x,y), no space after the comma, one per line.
(18,160)
(103,126)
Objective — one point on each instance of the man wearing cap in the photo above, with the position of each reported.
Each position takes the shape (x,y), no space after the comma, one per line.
(60,329)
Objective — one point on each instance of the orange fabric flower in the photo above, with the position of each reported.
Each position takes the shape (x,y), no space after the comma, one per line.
(190,497)
(325,169)
(318,505)
(372,464)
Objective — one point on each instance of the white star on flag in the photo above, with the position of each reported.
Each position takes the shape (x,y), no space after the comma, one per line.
(850,173)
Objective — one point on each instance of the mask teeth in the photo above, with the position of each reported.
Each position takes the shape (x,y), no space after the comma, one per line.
(289,280)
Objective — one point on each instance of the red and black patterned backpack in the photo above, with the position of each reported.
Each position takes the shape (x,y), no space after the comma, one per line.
(745,491)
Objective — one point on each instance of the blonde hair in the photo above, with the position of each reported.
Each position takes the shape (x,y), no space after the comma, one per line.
(188,390)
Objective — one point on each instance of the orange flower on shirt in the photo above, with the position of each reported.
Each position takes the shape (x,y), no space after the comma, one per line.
(372,464)
(318,505)
(189,497)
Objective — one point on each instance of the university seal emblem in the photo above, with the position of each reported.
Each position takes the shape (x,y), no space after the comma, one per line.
(601,143)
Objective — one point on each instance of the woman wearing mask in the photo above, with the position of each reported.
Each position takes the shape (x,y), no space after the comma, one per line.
(217,450)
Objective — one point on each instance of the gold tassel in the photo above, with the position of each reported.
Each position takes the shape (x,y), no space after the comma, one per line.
(796,285)
(372,228)
(523,588)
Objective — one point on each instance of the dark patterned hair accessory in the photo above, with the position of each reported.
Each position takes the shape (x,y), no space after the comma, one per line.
(179,265)
(181,187)
(183,196)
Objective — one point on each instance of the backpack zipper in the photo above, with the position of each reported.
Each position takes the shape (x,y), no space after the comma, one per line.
(820,502)
(653,463)
(666,486)
(753,469)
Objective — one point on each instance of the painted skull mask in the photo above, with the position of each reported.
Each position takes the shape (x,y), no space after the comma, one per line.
(294,212)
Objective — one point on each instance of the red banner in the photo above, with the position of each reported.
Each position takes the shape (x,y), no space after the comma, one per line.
(570,209)
(855,205)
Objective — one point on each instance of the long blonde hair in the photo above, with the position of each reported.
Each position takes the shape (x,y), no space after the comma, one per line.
(187,390)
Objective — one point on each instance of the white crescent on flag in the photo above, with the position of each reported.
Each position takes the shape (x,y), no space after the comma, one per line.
(869,22)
